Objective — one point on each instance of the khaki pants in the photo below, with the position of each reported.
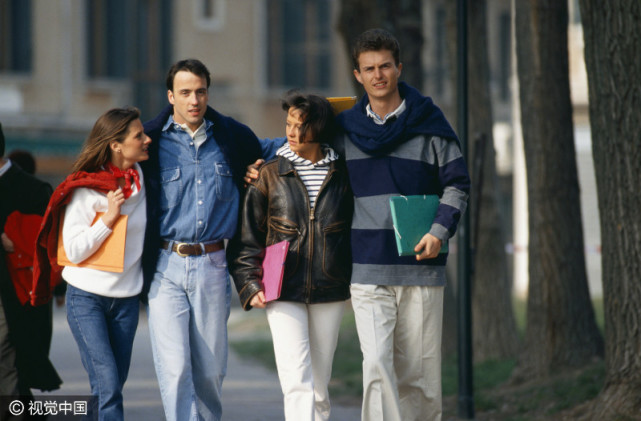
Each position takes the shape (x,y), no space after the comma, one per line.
(399,328)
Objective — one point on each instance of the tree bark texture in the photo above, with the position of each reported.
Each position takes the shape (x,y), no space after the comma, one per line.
(494,328)
(612,35)
(561,328)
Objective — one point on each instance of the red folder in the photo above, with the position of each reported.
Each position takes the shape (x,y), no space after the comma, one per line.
(273,269)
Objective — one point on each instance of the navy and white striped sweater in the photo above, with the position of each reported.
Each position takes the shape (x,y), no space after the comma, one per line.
(417,153)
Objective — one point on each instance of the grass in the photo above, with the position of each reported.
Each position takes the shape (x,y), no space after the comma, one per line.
(492,395)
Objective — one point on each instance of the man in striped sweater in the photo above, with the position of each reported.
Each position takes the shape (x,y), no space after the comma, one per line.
(397,142)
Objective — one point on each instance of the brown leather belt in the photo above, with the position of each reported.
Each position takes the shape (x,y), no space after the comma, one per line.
(189,249)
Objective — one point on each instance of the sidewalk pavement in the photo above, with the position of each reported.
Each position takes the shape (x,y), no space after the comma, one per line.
(250,391)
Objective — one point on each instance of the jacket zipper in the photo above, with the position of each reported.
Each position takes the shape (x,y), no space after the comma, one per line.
(310,229)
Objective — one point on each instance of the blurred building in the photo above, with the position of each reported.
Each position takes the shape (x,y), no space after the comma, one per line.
(64,62)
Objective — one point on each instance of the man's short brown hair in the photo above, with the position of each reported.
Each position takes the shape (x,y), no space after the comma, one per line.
(375,40)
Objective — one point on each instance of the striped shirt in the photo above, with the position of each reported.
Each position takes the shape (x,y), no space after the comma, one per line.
(311,174)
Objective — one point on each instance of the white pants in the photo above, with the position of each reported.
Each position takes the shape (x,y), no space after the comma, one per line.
(305,337)
(399,328)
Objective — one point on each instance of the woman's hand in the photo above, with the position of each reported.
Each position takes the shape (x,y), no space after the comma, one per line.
(258,300)
(115,199)
(252,171)
(7,244)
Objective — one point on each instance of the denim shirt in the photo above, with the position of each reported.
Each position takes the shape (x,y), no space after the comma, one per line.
(199,200)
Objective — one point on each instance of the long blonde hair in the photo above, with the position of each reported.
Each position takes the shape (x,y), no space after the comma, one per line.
(111,126)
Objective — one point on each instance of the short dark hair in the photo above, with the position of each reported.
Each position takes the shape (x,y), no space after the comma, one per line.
(375,40)
(317,115)
(24,159)
(1,142)
(191,65)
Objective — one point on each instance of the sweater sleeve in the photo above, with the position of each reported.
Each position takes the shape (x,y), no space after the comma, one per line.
(81,237)
(455,183)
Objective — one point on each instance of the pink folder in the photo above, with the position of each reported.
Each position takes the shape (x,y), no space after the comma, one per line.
(273,269)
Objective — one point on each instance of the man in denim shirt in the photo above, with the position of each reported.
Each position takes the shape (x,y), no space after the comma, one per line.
(194,177)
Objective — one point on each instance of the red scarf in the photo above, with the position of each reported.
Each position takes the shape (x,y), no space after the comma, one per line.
(46,271)
(127,175)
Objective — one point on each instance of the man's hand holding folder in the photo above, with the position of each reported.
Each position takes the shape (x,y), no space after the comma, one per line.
(412,218)
(428,248)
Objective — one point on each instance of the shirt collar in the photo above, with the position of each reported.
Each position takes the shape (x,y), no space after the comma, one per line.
(199,131)
(5,167)
(286,152)
(380,121)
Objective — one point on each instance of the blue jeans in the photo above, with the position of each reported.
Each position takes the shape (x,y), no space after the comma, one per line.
(189,303)
(104,329)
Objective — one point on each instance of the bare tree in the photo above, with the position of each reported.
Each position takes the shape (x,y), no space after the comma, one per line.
(561,328)
(613,60)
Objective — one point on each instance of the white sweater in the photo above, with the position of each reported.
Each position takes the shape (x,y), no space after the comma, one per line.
(81,240)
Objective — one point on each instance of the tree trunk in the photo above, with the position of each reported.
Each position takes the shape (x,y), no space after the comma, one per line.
(561,328)
(613,60)
(494,327)
(493,324)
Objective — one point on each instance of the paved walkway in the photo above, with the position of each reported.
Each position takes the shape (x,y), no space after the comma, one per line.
(250,392)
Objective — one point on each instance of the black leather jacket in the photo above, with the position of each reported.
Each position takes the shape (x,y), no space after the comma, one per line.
(276,208)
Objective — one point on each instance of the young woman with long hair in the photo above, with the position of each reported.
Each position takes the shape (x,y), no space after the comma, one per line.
(102,306)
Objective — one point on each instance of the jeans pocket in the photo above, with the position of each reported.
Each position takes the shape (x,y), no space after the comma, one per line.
(218,259)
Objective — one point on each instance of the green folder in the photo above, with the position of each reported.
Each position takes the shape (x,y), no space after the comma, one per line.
(412,217)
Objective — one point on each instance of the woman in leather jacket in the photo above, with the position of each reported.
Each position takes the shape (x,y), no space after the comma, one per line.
(303,196)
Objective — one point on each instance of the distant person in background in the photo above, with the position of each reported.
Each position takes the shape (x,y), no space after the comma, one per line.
(19,236)
(303,197)
(25,331)
(102,306)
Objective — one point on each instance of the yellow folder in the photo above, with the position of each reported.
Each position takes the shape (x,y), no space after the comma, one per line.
(341,103)
(110,257)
